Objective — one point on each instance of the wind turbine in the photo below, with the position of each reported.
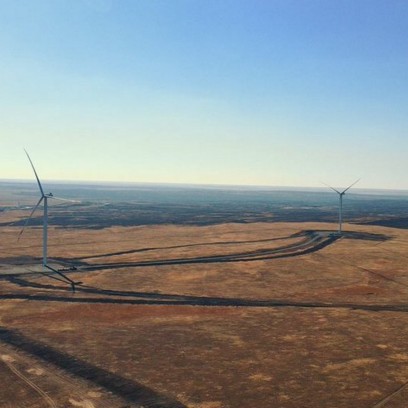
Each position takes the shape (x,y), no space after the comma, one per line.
(44,197)
(341,194)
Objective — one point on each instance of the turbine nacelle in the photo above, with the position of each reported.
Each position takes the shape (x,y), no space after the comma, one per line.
(341,193)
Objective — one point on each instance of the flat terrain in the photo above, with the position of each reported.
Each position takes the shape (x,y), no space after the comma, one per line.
(228,315)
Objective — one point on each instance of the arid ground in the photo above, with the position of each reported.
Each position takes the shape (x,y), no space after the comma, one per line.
(283,315)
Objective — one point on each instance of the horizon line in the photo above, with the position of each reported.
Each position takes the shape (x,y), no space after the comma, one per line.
(192,185)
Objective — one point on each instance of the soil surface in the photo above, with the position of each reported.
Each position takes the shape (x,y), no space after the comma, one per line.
(250,315)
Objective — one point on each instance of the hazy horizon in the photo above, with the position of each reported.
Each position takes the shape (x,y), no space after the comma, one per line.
(124,184)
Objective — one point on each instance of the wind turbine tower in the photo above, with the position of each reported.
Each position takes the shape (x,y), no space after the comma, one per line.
(341,194)
(44,197)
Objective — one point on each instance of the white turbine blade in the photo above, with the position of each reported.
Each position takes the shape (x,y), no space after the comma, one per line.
(36,175)
(337,191)
(28,219)
(63,199)
(351,186)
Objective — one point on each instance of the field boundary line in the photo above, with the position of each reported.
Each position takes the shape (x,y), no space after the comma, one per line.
(390,396)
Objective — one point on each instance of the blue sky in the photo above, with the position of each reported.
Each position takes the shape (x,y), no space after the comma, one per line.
(278,92)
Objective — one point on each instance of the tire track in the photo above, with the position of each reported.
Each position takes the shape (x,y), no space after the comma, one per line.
(7,361)
(391,396)
(73,387)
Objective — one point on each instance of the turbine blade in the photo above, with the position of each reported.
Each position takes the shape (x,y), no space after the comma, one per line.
(351,186)
(64,199)
(337,191)
(36,175)
(28,219)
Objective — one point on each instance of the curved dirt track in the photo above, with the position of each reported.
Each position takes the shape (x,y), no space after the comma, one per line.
(8,362)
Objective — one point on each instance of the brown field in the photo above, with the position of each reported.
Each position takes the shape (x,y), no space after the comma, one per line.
(206,317)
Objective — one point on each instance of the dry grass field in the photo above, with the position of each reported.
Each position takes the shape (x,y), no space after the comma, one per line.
(223,316)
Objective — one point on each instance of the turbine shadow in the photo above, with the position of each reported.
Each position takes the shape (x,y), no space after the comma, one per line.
(127,389)
(209,302)
(107,296)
